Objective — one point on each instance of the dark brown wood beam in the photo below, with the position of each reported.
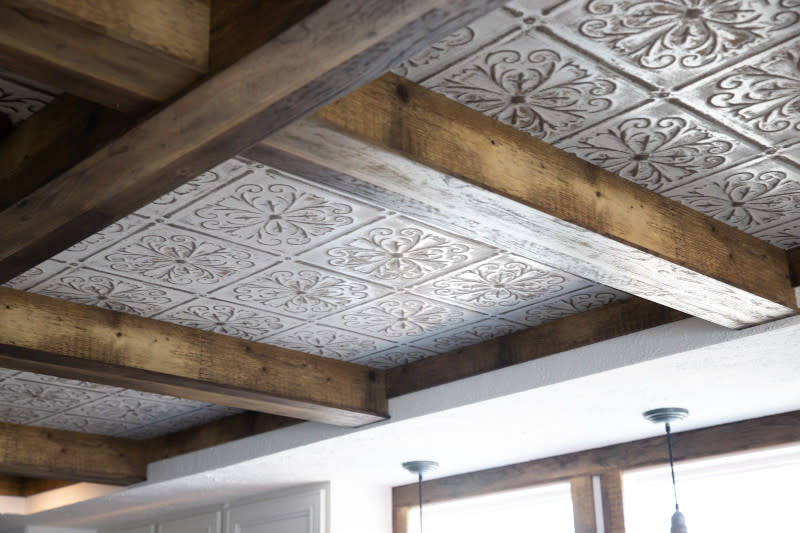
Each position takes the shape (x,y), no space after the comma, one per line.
(48,453)
(581,329)
(220,431)
(238,28)
(742,436)
(342,45)
(128,55)
(424,155)
(611,493)
(65,131)
(794,266)
(61,338)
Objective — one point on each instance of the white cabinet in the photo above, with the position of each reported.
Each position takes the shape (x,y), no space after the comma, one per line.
(203,523)
(293,513)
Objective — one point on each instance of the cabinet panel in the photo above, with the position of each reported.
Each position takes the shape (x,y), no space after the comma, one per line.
(204,523)
(296,513)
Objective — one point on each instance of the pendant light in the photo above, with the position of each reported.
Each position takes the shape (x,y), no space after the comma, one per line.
(665,415)
(419,468)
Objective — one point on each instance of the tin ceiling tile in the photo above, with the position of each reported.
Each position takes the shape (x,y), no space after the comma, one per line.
(471,334)
(398,356)
(537,85)
(500,283)
(565,305)
(228,319)
(397,252)
(110,291)
(659,146)
(760,95)
(19,100)
(329,342)
(300,290)
(274,212)
(672,42)
(751,197)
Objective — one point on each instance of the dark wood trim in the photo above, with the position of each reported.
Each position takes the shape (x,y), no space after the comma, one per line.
(581,329)
(794,265)
(50,336)
(238,28)
(400,519)
(55,138)
(127,57)
(331,52)
(582,489)
(405,145)
(742,436)
(67,455)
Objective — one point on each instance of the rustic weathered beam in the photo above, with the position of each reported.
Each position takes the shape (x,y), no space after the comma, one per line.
(237,28)
(742,436)
(332,51)
(613,511)
(422,154)
(68,455)
(60,338)
(65,131)
(124,54)
(583,513)
(581,329)
(220,431)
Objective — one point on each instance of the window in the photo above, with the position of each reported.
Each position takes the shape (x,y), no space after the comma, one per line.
(545,508)
(743,493)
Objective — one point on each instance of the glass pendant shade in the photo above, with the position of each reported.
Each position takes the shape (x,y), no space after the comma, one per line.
(678,523)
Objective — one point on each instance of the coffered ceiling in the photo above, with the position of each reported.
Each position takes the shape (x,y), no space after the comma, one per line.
(698,101)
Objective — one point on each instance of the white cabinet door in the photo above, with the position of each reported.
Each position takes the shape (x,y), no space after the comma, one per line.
(203,523)
(296,513)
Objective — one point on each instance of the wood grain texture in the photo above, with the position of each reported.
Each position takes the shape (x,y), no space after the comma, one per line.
(582,491)
(60,338)
(126,54)
(49,453)
(214,433)
(581,329)
(334,50)
(794,266)
(28,486)
(424,155)
(613,511)
(238,28)
(61,134)
(742,436)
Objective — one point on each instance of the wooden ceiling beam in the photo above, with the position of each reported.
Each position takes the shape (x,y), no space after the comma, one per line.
(48,453)
(128,55)
(581,329)
(794,265)
(28,486)
(65,131)
(422,154)
(753,434)
(331,52)
(65,339)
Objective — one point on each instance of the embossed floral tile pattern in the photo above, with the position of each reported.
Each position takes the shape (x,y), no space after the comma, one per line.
(20,98)
(253,252)
(47,401)
(698,100)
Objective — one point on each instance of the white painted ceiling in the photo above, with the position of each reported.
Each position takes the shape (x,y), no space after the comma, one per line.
(695,100)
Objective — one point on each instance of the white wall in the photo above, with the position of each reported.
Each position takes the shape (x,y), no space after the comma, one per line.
(360,508)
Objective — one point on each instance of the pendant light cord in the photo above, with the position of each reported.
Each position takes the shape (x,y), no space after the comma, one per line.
(671,467)
(419,485)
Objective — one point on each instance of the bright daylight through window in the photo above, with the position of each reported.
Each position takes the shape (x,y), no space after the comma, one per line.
(547,508)
(741,493)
